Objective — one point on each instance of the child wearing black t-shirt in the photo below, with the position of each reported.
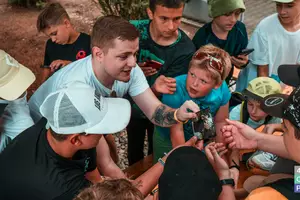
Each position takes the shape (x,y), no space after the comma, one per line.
(65,44)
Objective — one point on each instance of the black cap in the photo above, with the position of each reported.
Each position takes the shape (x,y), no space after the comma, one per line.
(188,175)
(289,74)
(284,106)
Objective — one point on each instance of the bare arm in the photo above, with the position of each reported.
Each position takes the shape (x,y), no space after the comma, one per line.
(214,153)
(220,121)
(148,180)
(227,193)
(233,155)
(263,70)
(93,176)
(241,136)
(105,163)
(158,113)
(155,92)
(177,135)
(273,144)
(45,74)
(161,114)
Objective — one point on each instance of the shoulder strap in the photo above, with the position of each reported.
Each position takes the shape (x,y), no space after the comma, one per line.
(267,119)
(244,116)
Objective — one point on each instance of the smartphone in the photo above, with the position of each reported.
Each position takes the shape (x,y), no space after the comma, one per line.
(45,66)
(48,67)
(246,52)
(154,64)
(203,125)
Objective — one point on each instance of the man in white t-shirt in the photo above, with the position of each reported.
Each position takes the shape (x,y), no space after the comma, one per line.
(276,41)
(112,69)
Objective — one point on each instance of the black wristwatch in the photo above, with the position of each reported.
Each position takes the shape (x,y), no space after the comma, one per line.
(229,181)
(235,166)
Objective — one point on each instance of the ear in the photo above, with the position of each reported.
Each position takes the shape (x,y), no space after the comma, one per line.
(149,13)
(98,53)
(66,22)
(75,139)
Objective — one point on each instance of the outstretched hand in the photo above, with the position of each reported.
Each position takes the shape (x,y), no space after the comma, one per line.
(239,61)
(214,152)
(239,135)
(165,85)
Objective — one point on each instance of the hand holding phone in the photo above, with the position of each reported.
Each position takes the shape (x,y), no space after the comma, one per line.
(153,64)
(246,52)
(148,71)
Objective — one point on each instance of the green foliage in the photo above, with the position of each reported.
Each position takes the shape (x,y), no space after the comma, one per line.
(29,3)
(128,9)
(40,4)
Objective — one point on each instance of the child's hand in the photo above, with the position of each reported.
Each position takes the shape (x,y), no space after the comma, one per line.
(239,61)
(148,71)
(271,128)
(165,85)
(214,152)
(56,64)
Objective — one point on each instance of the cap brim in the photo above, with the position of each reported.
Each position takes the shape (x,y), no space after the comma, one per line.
(116,118)
(273,105)
(284,1)
(248,94)
(289,74)
(18,85)
(253,182)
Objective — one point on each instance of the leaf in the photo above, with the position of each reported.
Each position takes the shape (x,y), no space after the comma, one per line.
(128,9)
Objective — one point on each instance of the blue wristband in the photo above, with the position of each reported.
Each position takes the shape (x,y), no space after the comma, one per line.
(161,162)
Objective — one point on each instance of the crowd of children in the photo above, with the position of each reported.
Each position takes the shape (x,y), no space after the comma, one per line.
(148,76)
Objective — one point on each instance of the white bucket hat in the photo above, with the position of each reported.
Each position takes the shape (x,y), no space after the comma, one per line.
(14,77)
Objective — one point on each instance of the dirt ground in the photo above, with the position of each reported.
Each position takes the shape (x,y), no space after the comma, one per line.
(19,36)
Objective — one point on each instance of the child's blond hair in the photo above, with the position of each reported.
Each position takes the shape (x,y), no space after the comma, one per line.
(111,190)
(210,57)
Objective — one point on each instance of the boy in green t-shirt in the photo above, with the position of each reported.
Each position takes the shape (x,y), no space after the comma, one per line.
(225,31)
(164,53)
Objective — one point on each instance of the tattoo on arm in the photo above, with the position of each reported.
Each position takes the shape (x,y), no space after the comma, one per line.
(164,116)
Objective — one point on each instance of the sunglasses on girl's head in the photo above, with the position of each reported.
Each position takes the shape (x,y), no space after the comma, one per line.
(215,63)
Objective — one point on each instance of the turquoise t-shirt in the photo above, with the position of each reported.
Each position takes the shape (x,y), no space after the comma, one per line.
(214,100)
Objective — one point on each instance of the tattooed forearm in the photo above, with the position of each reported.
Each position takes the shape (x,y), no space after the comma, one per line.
(164,116)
